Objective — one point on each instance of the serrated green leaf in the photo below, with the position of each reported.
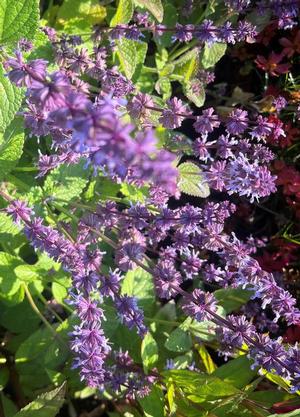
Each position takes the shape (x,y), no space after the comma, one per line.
(179,341)
(127,55)
(200,385)
(141,52)
(212,54)
(10,100)
(139,283)
(188,64)
(7,225)
(163,87)
(194,91)
(66,181)
(134,194)
(191,181)
(18,19)
(124,12)
(42,49)
(11,147)
(149,352)
(154,6)
(45,405)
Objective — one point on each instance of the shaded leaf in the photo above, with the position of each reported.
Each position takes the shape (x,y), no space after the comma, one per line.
(153,404)
(236,372)
(45,405)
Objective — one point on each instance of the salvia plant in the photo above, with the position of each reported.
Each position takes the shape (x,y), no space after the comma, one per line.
(149,204)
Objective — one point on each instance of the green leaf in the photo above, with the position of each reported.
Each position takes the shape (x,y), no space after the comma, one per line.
(153,404)
(59,292)
(179,341)
(26,272)
(188,64)
(134,194)
(232,299)
(200,385)
(45,405)
(191,181)
(194,91)
(10,100)
(18,19)
(149,352)
(127,55)
(141,52)
(163,87)
(27,322)
(42,49)
(154,6)
(139,283)
(208,363)
(77,16)
(124,12)
(66,181)
(11,147)
(9,282)
(212,54)
(236,372)
(8,406)
(169,20)
(7,225)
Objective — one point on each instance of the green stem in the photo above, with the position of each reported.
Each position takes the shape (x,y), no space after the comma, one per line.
(43,299)
(183,50)
(37,311)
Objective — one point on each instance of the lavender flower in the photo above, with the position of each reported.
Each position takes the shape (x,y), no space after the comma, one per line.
(199,305)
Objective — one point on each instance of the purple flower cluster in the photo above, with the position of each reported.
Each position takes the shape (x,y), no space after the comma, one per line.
(81,128)
(89,343)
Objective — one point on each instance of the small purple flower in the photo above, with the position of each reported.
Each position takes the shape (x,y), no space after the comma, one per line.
(173,116)
(280,103)
(183,33)
(207,122)
(31,74)
(201,148)
(51,95)
(19,211)
(130,314)
(237,121)
(110,283)
(206,32)
(199,305)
